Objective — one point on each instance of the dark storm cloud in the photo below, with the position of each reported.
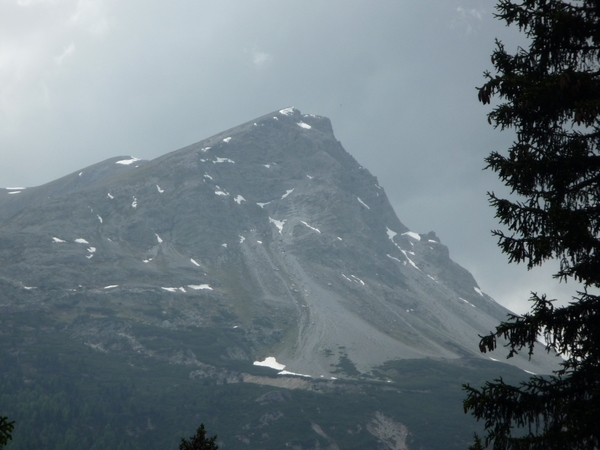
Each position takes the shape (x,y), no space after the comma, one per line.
(84,80)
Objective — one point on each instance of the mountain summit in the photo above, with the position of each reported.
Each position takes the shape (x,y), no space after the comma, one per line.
(270,229)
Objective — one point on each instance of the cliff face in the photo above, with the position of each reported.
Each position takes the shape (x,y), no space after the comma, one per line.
(270,228)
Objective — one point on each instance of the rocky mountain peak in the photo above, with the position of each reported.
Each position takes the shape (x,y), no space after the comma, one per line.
(270,228)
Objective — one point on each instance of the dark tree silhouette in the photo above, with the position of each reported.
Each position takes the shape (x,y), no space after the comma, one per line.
(199,441)
(550,95)
(6,429)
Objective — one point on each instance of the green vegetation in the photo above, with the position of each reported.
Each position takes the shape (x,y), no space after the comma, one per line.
(76,397)
(199,441)
(551,94)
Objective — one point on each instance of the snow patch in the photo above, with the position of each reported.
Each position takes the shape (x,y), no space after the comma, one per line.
(81,241)
(194,262)
(362,203)
(467,302)
(268,166)
(205,149)
(224,245)
(395,259)
(304,125)
(262,205)
(312,228)
(158,238)
(358,280)
(223,160)
(15,188)
(109,196)
(207,176)
(160,191)
(479,291)
(170,289)
(285,372)
(99,218)
(223,193)
(127,162)
(134,203)
(409,260)
(391,234)
(287,192)
(92,249)
(112,286)
(198,287)
(309,177)
(270,362)
(287,111)
(55,239)
(412,235)
(242,239)
(278,223)
(227,139)
(14,192)
(239,199)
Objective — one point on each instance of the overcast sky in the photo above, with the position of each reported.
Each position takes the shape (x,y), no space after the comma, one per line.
(85,80)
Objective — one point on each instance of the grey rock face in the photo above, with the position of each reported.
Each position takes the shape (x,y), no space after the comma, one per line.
(270,227)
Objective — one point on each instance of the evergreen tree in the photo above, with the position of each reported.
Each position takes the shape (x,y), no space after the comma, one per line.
(199,441)
(6,429)
(550,95)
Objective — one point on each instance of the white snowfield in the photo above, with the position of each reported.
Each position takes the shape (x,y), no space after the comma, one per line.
(413,235)
(278,223)
(223,160)
(312,228)
(272,363)
(127,162)
(304,125)
(197,287)
(287,111)
(362,203)
(81,241)
(287,192)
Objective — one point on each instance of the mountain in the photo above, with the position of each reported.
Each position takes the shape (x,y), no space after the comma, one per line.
(264,245)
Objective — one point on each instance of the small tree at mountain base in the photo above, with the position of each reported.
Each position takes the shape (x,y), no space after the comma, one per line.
(6,429)
(199,441)
(551,94)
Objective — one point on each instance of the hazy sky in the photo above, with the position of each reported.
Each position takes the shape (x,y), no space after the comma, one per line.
(85,80)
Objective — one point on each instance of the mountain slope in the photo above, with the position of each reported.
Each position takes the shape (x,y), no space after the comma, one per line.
(270,227)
